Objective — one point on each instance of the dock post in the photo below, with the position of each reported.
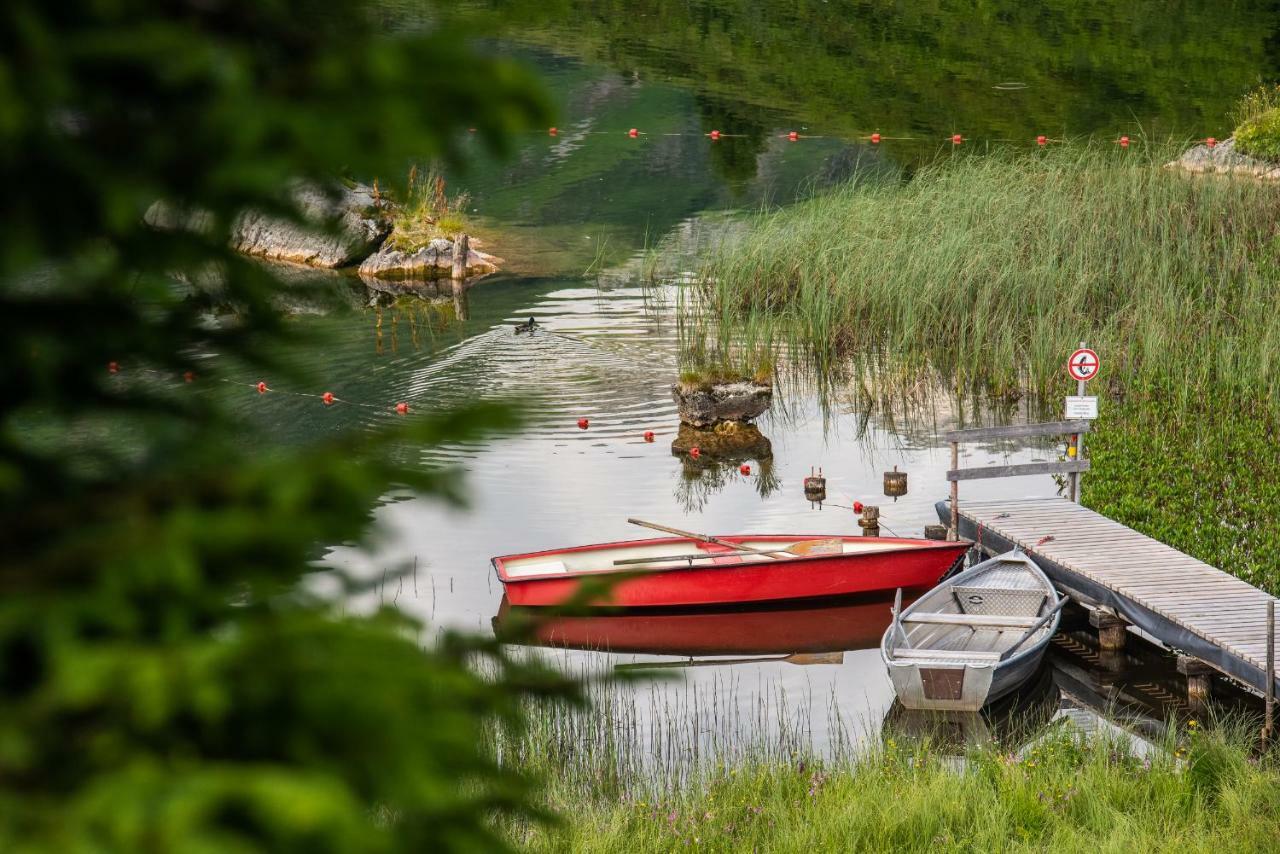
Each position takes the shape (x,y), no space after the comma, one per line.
(1111,630)
(1199,680)
(955,493)
(461,249)
(1269,722)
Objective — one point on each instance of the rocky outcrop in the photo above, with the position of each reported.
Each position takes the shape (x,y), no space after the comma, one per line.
(1224,159)
(432,261)
(707,405)
(357,222)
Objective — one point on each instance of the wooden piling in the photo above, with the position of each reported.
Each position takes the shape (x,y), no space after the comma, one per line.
(870,521)
(1111,629)
(1199,680)
(955,493)
(461,249)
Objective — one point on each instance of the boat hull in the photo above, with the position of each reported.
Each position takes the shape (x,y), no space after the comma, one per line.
(905,563)
(980,685)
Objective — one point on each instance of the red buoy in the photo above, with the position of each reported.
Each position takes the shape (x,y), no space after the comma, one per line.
(715,134)
(113,367)
(744,468)
(262,388)
(875,139)
(189,377)
(648,435)
(1211,142)
(327,397)
(695,452)
(402,408)
(1124,142)
(633,133)
(552,131)
(1042,140)
(793,136)
(583,423)
(857,507)
(956,139)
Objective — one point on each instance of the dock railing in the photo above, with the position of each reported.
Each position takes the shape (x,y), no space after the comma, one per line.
(1073,467)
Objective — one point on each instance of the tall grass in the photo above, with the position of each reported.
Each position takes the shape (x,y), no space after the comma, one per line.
(991,267)
(668,778)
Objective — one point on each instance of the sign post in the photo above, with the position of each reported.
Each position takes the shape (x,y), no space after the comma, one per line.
(1082,366)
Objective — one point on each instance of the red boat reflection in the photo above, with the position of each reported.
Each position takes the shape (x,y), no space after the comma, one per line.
(838,626)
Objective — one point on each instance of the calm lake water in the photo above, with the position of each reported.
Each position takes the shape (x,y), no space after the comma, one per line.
(574,215)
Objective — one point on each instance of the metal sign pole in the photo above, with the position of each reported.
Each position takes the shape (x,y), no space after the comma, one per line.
(1075,476)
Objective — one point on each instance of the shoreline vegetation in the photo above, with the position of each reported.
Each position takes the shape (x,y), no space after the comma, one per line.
(1197,788)
(987,268)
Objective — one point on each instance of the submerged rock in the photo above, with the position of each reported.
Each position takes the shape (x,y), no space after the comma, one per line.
(361,225)
(435,260)
(706,405)
(1224,159)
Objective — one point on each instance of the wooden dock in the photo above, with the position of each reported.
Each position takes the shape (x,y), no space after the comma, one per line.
(1184,603)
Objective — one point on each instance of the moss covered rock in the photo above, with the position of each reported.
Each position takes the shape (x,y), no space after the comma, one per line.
(1260,136)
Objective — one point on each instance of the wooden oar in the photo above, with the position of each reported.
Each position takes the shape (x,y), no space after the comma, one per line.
(794,658)
(799,549)
(803,548)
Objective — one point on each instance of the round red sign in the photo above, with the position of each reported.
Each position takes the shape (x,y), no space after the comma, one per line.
(1083,364)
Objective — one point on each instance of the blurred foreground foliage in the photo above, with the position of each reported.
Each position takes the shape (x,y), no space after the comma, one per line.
(166,682)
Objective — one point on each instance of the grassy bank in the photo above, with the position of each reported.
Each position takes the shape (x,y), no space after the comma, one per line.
(990,267)
(1061,793)
(1201,475)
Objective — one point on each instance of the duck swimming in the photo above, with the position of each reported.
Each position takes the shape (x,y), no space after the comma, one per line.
(528,326)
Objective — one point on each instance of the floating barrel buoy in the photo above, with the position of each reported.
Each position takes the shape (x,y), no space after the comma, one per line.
(715,134)
(895,483)
(648,435)
(1124,142)
(262,388)
(695,452)
(815,486)
(956,139)
(188,377)
(1042,140)
(857,507)
(402,408)
(875,139)
(1211,142)
(793,136)
(552,131)
(633,133)
(935,532)
(113,367)
(745,469)
(583,423)
(328,398)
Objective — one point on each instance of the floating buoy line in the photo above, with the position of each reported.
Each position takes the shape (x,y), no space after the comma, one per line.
(874,137)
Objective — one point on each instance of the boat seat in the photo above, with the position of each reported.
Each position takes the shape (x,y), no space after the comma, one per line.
(1003,601)
(944,655)
(973,620)
(547,567)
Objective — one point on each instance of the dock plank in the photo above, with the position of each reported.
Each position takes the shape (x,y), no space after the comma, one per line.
(1111,562)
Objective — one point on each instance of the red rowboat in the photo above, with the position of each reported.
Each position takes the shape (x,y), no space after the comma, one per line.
(769,630)
(689,571)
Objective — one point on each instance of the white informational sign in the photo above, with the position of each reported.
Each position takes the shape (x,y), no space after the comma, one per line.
(1083,364)
(1082,407)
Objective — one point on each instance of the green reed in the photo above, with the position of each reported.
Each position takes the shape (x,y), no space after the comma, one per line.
(990,267)
(1198,789)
